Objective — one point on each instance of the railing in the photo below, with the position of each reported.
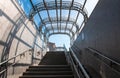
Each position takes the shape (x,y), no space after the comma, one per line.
(76,64)
(113,64)
(4,65)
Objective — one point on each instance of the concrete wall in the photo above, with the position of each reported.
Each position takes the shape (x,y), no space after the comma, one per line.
(17,34)
(101,32)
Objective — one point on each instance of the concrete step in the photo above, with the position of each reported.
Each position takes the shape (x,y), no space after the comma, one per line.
(48,73)
(53,65)
(47,76)
(49,69)
(54,58)
(50,66)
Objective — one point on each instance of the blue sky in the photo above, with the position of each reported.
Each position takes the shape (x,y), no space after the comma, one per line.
(60,40)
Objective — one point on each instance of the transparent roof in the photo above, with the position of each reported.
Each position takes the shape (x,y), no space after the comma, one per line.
(58,16)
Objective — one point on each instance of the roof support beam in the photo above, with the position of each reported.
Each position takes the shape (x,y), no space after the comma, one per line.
(84,4)
(63,20)
(59,33)
(76,6)
(79,14)
(37,13)
(59,20)
(56,12)
(60,13)
(70,32)
(48,14)
(69,14)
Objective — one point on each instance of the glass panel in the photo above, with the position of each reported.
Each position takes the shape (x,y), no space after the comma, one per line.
(43,29)
(55,31)
(36,1)
(69,26)
(80,1)
(49,0)
(37,20)
(66,0)
(80,20)
(44,14)
(49,28)
(90,5)
(54,25)
(65,13)
(70,34)
(58,13)
(75,36)
(81,27)
(63,25)
(62,31)
(48,25)
(26,6)
(74,29)
(67,31)
(50,31)
(73,14)
(47,34)
(52,13)
(59,25)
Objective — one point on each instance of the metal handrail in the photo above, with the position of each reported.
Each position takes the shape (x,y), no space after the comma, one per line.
(4,62)
(14,57)
(79,64)
(97,52)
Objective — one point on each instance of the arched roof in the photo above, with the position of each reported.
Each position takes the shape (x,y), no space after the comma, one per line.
(56,16)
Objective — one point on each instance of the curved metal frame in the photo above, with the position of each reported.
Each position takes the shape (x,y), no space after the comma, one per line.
(61,5)
(65,5)
(60,33)
(55,20)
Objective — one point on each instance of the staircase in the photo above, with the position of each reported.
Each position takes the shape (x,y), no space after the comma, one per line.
(53,65)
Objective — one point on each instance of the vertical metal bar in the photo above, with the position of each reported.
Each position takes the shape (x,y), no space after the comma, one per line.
(48,14)
(79,14)
(57,13)
(60,13)
(84,5)
(37,12)
(35,25)
(18,8)
(37,28)
(69,14)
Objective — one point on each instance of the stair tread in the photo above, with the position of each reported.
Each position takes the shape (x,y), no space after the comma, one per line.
(53,65)
(47,76)
(54,58)
(49,73)
(59,66)
(49,69)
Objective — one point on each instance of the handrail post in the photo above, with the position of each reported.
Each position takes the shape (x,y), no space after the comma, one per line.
(32,55)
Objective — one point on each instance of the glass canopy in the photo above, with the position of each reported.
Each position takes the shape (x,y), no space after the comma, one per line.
(58,16)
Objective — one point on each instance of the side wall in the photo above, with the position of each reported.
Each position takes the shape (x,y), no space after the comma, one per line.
(101,32)
(17,34)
